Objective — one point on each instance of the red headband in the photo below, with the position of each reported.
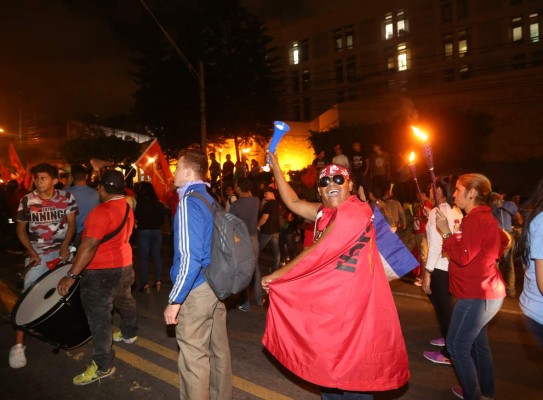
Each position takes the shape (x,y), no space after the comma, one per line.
(334,169)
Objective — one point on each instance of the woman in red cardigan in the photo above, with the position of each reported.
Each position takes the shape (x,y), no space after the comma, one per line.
(476,284)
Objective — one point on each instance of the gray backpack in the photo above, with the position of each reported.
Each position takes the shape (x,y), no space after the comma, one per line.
(232,257)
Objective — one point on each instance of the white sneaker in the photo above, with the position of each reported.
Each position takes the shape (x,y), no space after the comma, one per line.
(17,357)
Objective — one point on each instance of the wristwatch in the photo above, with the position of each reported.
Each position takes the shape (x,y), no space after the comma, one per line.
(446,235)
(70,275)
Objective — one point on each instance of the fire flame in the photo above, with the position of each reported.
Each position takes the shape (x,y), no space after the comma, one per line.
(412,157)
(419,133)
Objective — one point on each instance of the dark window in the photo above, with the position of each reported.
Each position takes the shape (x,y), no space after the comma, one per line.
(295,81)
(352,94)
(537,58)
(339,71)
(296,114)
(519,61)
(449,75)
(461,9)
(446,11)
(307,109)
(351,69)
(305,79)
(304,50)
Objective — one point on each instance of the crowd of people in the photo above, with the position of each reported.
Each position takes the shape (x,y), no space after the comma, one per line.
(461,234)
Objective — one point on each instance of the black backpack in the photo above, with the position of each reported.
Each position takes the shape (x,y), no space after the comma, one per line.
(232,257)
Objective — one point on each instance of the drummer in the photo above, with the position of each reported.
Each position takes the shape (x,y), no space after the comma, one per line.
(45,226)
(104,262)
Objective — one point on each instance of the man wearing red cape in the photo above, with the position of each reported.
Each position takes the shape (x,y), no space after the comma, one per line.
(332,319)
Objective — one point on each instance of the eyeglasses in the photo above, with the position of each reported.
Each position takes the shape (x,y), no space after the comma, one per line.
(325,180)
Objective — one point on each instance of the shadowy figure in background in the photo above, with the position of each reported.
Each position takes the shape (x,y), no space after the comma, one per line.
(149,214)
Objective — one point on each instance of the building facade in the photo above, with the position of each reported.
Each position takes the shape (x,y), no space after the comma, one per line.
(355,63)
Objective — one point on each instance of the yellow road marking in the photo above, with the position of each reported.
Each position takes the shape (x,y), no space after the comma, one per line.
(172,378)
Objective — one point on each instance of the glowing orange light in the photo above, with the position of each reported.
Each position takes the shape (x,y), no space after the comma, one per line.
(419,133)
(151,160)
(245,151)
(412,157)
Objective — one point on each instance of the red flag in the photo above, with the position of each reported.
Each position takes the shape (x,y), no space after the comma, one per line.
(16,163)
(6,175)
(154,164)
(332,319)
(28,176)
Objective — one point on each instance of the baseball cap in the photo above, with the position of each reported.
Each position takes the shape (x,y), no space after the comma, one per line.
(112,181)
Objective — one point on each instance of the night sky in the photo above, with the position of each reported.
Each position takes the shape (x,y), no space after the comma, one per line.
(58,62)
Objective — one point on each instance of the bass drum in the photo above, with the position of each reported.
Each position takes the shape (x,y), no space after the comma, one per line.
(43,313)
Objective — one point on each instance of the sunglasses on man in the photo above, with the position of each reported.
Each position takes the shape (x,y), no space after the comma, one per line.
(325,180)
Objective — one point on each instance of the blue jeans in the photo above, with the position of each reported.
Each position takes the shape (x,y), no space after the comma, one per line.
(101,290)
(337,394)
(34,273)
(273,239)
(149,243)
(467,342)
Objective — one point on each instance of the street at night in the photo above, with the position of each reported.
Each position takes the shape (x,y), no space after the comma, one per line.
(147,369)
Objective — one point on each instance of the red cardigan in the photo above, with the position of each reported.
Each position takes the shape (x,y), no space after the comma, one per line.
(473,254)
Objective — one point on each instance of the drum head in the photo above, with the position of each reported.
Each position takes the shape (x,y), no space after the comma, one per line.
(41,298)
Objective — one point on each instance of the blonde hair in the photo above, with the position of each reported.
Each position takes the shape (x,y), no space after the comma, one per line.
(480,183)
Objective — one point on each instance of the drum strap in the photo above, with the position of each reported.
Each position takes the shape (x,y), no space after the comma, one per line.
(116,231)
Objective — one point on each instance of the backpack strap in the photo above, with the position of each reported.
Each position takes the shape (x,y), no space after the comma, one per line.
(111,235)
(206,202)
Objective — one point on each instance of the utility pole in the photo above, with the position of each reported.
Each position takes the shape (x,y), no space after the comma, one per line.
(199,77)
(203,124)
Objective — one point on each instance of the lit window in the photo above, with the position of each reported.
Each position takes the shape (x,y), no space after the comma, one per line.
(402,57)
(338,40)
(390,63)
(462,47)
(294,54)
(464,71)
(448,45)
(517,29)
(389,26)
(349,37)
(534,28)
(401,23)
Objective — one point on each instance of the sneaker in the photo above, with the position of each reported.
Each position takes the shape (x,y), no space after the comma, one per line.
(436,357)
(241,308)
(440,342)
(92,374)
(457,391)
(418,282)
(17,357)
(118,337)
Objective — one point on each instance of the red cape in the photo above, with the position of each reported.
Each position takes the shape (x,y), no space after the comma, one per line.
(332,320)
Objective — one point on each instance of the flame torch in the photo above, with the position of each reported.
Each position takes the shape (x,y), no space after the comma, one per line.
(428,156)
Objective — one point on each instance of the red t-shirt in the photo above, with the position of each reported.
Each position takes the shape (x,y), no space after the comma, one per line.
(102,220)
